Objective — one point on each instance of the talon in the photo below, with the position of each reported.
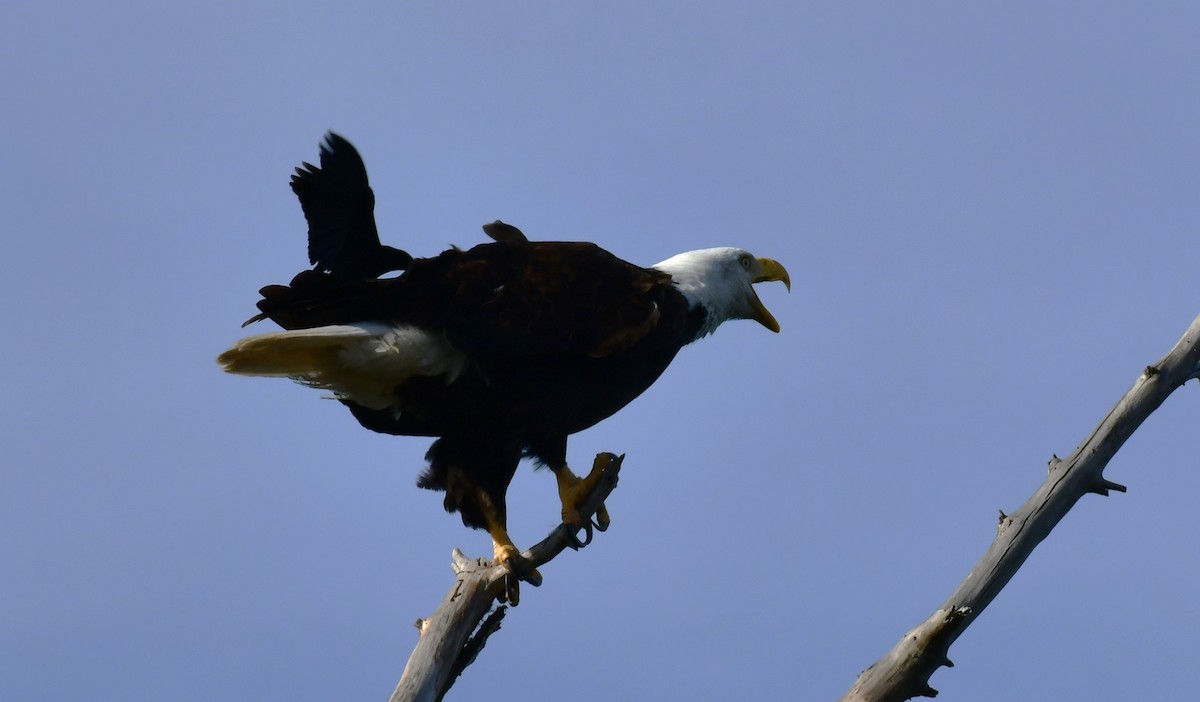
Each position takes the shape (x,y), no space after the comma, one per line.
(525,571)
(508,556)
(512,590)
(602,520)
(519,568)
(575,543)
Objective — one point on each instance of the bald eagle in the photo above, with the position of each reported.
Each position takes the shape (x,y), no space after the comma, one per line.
(499,352)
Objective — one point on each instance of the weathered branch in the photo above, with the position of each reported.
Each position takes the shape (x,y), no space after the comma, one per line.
(905,670)
(446,645)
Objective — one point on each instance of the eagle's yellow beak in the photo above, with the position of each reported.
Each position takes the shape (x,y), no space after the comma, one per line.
(769,270)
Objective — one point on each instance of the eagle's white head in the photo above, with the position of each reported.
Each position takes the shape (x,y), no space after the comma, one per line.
(720,280)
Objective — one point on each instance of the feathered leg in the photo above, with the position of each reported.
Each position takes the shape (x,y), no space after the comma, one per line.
(506,553)
(475,474)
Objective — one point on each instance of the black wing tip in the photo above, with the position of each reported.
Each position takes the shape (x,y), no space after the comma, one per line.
(505,233)
(332,142)
(303,176)
(340,160)
(333,137)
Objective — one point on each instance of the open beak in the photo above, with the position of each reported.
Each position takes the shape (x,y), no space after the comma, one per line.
(769,270)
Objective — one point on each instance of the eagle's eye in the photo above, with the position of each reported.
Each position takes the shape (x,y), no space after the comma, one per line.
(745,261)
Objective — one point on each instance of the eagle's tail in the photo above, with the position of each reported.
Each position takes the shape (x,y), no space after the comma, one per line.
(364,362)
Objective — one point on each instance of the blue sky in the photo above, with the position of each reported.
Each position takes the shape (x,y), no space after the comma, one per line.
(989,215)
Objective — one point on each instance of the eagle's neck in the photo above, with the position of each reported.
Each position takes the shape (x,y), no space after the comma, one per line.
(709,294)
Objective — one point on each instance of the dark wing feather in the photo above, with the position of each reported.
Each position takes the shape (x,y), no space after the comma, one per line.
(339,206)
(550,298)
(317,299)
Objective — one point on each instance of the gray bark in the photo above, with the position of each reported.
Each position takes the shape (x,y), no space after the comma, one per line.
(904,671)
(446,645)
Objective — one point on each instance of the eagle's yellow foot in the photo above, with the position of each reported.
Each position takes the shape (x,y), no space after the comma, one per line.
(519,568)
(572,490)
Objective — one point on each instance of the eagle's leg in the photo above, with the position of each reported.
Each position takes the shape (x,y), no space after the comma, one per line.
(572,490)
(508,555)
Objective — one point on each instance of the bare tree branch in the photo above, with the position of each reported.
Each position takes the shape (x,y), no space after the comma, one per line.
(905,670)
(446,645)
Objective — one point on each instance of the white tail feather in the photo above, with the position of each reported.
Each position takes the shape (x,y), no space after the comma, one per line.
(364,362)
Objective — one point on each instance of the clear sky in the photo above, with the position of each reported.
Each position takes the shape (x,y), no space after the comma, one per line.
(990,218)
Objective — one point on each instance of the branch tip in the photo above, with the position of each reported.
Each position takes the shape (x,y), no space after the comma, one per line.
(1103,485)
(461,562)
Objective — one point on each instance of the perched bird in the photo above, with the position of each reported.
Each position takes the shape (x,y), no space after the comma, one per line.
(500,352)
(340,208)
